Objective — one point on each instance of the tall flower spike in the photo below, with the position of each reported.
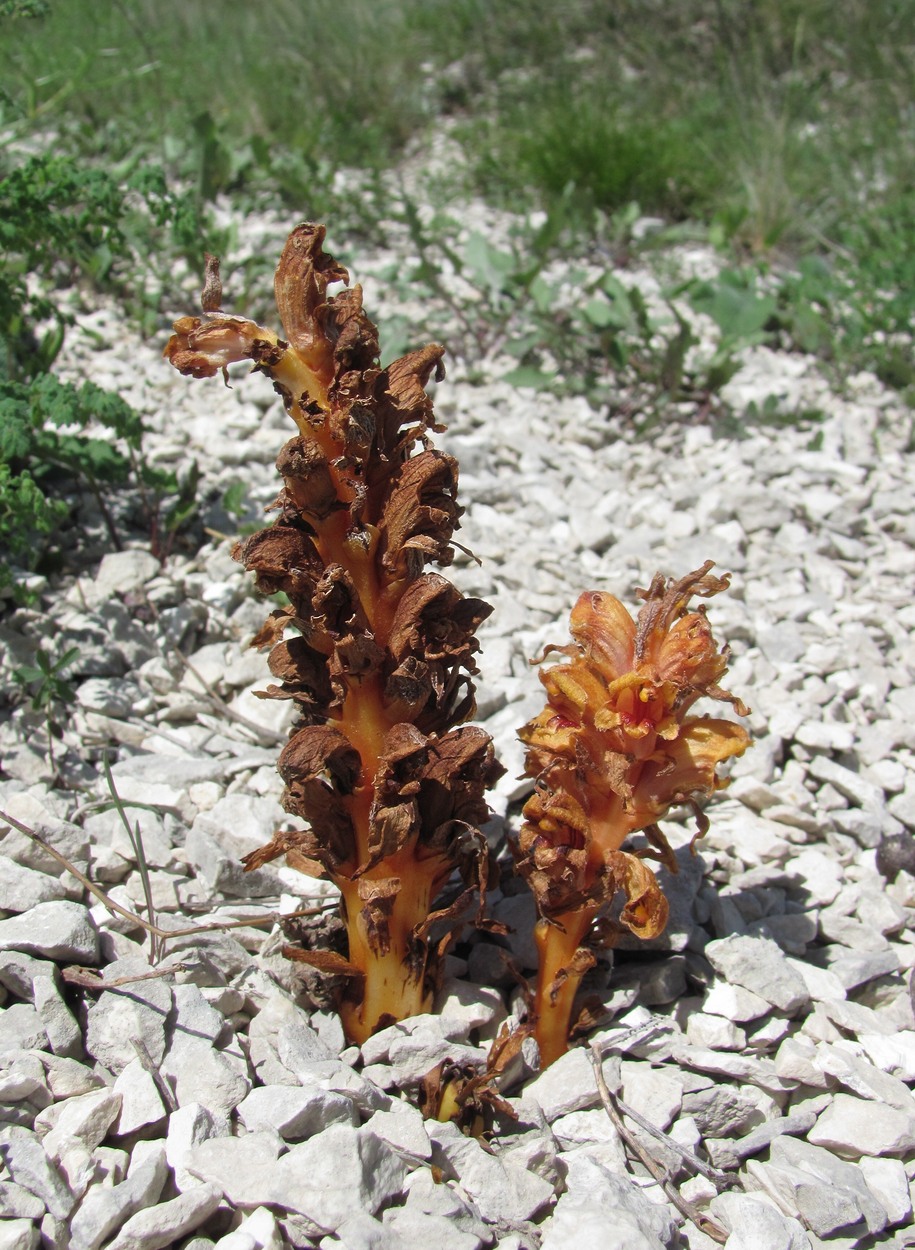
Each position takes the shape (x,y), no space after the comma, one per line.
(614,749)
(376,652)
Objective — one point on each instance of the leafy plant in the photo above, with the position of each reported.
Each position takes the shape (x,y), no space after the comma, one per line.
(58,438)
(49,688)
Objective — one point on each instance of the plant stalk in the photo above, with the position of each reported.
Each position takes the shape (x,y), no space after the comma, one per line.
(558,978)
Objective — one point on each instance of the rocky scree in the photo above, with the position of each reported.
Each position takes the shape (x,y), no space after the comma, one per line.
(770,1029)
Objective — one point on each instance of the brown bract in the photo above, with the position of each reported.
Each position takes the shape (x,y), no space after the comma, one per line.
(376,653)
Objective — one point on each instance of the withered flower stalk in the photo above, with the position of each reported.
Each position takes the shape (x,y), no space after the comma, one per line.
(376,652)
(613,749)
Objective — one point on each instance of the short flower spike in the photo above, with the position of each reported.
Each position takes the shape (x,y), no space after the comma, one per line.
(611,752)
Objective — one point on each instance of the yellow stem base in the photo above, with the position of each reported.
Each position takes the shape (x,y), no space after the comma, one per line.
(394,985)
(558,980)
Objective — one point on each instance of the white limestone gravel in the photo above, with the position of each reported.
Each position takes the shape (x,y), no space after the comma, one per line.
(214,1102)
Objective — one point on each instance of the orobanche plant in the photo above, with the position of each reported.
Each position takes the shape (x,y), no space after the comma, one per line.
(378,654)
(611,752)
(376,651)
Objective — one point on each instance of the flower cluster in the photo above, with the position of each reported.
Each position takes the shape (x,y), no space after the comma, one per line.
(612,751)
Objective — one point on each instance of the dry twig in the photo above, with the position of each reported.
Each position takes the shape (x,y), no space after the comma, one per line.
(660,1174)
(116,909)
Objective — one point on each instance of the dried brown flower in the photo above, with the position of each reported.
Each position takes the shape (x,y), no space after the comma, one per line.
(377,654)
(613,749)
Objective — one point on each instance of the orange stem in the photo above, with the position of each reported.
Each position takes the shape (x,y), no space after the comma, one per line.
(558,979)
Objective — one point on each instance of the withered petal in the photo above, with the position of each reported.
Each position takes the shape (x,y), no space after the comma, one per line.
(300,285)
(202,347)
(420,514)
(308,479)
(666,599)
(301,847)
(687,766)
(646,909)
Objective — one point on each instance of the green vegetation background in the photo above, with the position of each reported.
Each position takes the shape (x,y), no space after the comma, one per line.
(780,131)
(788,122)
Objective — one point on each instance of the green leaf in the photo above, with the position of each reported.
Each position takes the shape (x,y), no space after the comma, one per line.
(233,499)
(734,305)
(27,674)
(602,314)
(489,267)
(529,377)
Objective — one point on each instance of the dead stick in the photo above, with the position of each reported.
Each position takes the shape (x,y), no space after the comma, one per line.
(90,979)
(116,909)
(689,1157)
(702,1222)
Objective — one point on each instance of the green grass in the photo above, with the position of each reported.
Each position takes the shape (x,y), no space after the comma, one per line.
(768,116)
(784,127)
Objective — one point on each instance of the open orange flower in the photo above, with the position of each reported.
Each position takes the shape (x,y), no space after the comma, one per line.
(612,751)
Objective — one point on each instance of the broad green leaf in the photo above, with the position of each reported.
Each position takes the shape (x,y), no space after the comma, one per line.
(529,377)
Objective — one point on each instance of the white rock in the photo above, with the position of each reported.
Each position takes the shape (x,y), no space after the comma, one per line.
(121,572)
(414,1228)
(402,1127)
(141,1104)
(165,1224)
(759,965)
(30,1167)
(754,1224)
(844,1063)
(64,1034)
(21,1029)
(18,971)
(591,1129)
(820,982)
(852,785)
(821,874)
(475,1006)
(130,1014)
(499,1189)
(18,1234)
(295,1113)
(895,1054)
(105,1208)
(830,1195)
(887,1181)
(57,930)
(341,1171)
(187,1127)
(242,1167)
(67,1078)
(17,1203)
(88,1117)
(258,1231)
(653,1091)
(444,1199)
(850,1128)
(567,1085)
(602,1211)
(735,1003)
(714,1032)
(22,888)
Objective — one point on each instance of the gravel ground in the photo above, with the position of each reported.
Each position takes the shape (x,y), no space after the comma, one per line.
(769,1033)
